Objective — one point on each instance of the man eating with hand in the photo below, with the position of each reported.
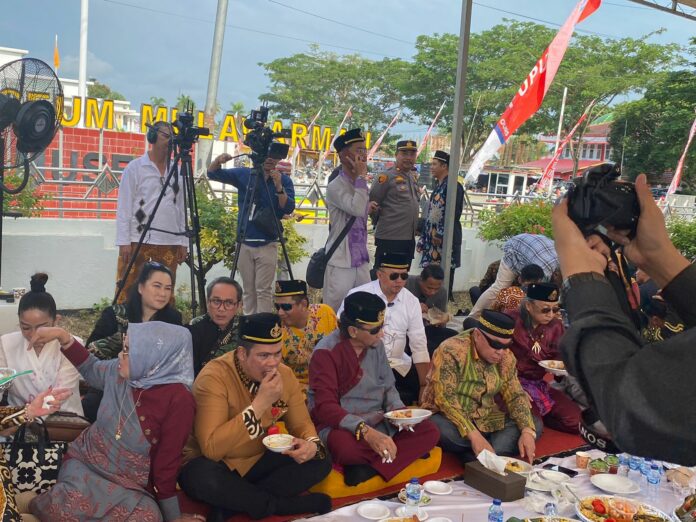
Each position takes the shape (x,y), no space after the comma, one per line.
(239,396)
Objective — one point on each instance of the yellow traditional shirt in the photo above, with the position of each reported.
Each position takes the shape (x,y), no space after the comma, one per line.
(462,386)
(298,343)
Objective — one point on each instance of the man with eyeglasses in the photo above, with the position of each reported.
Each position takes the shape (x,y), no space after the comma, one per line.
(217,331)
(537,338)
(240,397)
(404,333)
(351,387)
(304,325)
(468,371)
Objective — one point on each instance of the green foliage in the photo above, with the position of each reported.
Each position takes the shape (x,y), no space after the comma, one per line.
(518,218)
(294,243)
(657,127)
(101,90)
(303,83)
(184,101)
(99,307)
(157,101)
(683,235)
(28,202)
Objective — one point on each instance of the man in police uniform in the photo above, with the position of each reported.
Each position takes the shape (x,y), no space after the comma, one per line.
(395,196)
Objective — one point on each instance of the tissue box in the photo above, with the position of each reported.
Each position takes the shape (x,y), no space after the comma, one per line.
(507,488)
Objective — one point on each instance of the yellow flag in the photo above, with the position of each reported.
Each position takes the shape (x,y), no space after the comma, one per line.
(56,55)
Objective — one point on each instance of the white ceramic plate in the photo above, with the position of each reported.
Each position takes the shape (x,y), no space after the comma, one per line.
(440,519)
(422,513)
(552,367)
(436,487)
(615,484)
(416,415)
(278,443)
(647,507)
(373,511)
(526,466)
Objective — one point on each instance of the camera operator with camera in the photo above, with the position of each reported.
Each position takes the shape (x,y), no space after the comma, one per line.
(643,393)
(258,254)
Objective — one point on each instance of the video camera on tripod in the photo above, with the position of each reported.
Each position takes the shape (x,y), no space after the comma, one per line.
(187,133)
(261,140)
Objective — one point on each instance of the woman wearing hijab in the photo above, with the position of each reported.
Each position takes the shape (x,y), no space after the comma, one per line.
(124,467)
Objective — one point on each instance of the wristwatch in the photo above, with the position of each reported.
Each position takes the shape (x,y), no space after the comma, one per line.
(361,430)
(281,191)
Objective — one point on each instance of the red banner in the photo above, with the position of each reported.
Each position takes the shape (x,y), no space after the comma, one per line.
(676,180)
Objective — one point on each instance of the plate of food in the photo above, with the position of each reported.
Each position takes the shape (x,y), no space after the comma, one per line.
(518,466)
(600,508)
(615,484)
(436,316)
(422,514)
(278,443)
(407,416)
(424,500)
(546,480)
(373,511)
(554,367)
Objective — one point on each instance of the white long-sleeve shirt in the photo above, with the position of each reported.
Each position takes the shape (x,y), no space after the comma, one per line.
(403,320)
(51,368)
(141,184)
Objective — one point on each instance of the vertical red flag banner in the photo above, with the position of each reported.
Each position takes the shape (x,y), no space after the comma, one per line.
(430,129)
(322,156)
(56,55)
(373,149)
(547,175)
(676,180)
(296,152)
(531,93)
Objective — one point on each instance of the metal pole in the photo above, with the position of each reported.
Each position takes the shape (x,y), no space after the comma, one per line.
(206,145)
(623,145)
(558,134)
(457,131)
(82,76)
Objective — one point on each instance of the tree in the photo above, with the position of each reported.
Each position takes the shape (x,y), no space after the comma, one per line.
(27,203)
(501,57)
(237,108)
(303,83)
(101,90)
(157,101)
(657,126)
(184,102)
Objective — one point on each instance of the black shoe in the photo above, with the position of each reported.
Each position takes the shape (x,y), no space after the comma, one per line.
(358,473)
(217,515)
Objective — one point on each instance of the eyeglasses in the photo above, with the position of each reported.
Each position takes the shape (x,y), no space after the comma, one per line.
(227,304)
(285,307)
(372,331)
(549,309)
(395,275)
(496,345)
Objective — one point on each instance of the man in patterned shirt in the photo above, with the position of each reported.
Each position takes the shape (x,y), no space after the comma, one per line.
(519,251)
(239,396)
(468,371)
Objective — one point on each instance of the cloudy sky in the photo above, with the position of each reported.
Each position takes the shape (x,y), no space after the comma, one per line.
(145,48)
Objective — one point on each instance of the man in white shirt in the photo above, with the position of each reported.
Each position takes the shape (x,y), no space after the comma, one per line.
(403,325)
(141,183)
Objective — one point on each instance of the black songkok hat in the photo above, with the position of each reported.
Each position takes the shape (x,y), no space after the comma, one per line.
(442,156)
(364,308)
(497,324)
(397,260)
(291,287)
(406,145)
(543,292)
(345,139)
(263,328)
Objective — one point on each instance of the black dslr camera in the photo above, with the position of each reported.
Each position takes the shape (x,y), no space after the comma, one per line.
(260,139)
(187,133)
(599,199)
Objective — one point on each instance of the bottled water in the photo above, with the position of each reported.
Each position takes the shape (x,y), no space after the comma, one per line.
(550,510)
(495,512)
(413,497)
(634,464)
(644,471)
(653,481)
(623,464)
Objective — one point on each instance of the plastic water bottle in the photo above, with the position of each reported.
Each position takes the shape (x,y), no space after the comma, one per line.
(623,465)
(550,510)
(634,464)
(495,512)
(644,471)
(653,481)
(413,497)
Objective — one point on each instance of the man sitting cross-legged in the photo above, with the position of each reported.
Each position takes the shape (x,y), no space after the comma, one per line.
(351,387)
(238,397)
(468,371)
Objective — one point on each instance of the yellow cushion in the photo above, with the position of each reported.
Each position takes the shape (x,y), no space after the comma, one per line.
(334,485)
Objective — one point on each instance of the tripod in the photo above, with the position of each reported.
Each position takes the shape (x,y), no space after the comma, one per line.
(191,224)
(250,205)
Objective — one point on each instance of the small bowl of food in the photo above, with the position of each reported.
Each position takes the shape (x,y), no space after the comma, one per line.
(407,416)
(554,367)
(613,462)
(598,466)
(5,373)
(278,443)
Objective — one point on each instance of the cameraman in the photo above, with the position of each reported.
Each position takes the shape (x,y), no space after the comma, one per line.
(258,254)
(643,393)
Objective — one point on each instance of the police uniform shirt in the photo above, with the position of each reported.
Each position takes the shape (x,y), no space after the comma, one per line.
(397,195)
